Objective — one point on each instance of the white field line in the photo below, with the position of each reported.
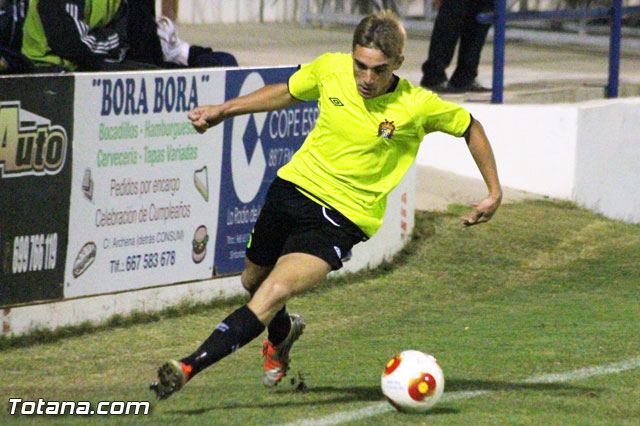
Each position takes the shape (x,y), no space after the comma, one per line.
(382,407)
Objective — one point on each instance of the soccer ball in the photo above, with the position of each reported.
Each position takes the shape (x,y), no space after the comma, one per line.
(412,381)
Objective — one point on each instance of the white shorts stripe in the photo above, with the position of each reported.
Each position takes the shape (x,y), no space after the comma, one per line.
(326,216)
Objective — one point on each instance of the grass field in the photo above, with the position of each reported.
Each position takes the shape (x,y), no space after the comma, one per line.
(544,288)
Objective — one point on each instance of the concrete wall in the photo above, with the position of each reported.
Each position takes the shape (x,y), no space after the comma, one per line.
(607,178)
(587,152)
(534,147)
(235,11)
(98,309)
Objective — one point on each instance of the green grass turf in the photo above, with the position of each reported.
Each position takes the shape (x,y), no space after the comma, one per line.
(544,288)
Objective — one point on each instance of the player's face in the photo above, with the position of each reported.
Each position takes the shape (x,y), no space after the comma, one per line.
(373,71)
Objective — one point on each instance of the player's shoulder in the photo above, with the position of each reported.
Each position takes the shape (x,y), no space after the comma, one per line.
(420,101)
(414,95)
(333,62)
(337,57)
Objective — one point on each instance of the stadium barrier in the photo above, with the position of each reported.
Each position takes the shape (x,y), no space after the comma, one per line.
(586,152)
(112,203)
(500,17)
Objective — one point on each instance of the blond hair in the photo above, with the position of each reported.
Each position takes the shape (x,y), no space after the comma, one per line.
(383,31)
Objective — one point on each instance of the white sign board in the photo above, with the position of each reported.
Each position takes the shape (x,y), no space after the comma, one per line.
(145,185)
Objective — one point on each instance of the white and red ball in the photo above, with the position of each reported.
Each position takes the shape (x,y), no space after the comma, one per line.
(412,381)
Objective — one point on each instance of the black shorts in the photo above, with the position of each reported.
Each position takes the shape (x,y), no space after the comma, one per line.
(291,222)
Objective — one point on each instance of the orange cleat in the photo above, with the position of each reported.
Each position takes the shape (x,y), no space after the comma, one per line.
(276,358)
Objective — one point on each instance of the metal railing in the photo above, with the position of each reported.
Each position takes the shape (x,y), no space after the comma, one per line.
(500,17)
(351,11)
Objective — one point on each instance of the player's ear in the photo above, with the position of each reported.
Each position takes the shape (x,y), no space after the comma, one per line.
(399,62)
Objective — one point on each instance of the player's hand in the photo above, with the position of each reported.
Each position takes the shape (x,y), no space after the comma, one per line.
(483,210)
(203,117)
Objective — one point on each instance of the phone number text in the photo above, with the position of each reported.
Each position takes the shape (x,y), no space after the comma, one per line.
(143,261)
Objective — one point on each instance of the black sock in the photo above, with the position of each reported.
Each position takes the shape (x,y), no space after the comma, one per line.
(279,327)
(231,334)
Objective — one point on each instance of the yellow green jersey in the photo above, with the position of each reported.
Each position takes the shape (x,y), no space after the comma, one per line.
(75,32)
(360,149)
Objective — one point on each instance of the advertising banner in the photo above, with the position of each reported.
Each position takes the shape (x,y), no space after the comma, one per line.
(255,147)
(36,133)
(145,186)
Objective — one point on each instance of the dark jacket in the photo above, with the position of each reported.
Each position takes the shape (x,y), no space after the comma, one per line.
(83,35)
(12,16)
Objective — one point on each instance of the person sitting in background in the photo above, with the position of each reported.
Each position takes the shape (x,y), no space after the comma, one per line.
(164,48)
(76,35)
(107,35)
(12,16)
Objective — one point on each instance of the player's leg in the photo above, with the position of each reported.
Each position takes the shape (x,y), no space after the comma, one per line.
(292,274)
(280,326)
(325,240)
(315,245)
(295,212)
(445,35)
(242,326)
(253,275)
(245,324)
(203,57)
(267,240)
(472,40)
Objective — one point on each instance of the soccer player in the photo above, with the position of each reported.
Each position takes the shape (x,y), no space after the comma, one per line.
(332,194)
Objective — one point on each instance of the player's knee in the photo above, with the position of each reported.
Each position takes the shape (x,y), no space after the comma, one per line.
(277,291)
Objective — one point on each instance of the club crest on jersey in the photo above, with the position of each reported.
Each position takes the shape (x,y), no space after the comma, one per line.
(386,129)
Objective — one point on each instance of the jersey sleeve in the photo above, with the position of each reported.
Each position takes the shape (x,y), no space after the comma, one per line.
(304,83)
(433,114)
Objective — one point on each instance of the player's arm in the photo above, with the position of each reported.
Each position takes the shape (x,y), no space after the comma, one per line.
(267,98)
(482,154)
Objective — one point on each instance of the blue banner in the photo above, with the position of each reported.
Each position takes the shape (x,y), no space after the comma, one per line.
(255,147)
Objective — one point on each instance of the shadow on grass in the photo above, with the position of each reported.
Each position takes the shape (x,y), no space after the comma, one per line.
(328,395)
(336,396)
(466,385)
